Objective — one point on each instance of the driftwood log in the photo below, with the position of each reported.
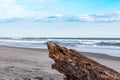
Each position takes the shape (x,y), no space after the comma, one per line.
(76,66)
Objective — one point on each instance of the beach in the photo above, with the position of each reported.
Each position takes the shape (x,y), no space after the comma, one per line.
(34,64)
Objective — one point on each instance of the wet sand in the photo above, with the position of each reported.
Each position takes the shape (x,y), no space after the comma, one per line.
(34,64)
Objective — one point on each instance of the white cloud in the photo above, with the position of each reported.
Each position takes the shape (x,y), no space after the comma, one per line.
(46,0)
(6,1)
(23,14)
(40,0)
(111,17)
(9,9)
(85,17)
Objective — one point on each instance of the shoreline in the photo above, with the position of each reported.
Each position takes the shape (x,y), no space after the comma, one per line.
(100,55)
(84,53)
(19,62)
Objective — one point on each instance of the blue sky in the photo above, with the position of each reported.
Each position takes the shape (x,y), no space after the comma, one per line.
(60,18)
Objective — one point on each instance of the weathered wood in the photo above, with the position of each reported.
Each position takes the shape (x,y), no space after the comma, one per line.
(76,66)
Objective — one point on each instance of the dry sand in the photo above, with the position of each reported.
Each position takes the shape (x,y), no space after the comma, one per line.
(34,64)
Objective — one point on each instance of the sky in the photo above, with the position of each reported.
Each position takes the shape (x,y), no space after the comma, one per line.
(60,18)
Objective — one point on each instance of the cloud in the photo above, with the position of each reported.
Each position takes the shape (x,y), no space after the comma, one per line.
(84,18)
(12,9)
(9,20)
(54,18)
(47,0)
(6,1)
(41,1)
(9,9)
(113,17)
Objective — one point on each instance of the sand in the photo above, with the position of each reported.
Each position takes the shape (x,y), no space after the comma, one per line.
(34,64)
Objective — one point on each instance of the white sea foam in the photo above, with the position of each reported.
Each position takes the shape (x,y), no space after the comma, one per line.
(22,41)
(93,43)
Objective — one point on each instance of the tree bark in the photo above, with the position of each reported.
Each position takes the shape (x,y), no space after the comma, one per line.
(76,66)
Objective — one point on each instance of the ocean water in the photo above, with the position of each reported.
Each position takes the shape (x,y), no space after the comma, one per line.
(110,46)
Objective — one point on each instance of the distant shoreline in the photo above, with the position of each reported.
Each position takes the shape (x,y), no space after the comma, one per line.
(90,54)
(84,53)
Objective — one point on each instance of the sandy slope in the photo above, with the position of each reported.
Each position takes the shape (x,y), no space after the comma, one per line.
(26,64)
(34,64)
